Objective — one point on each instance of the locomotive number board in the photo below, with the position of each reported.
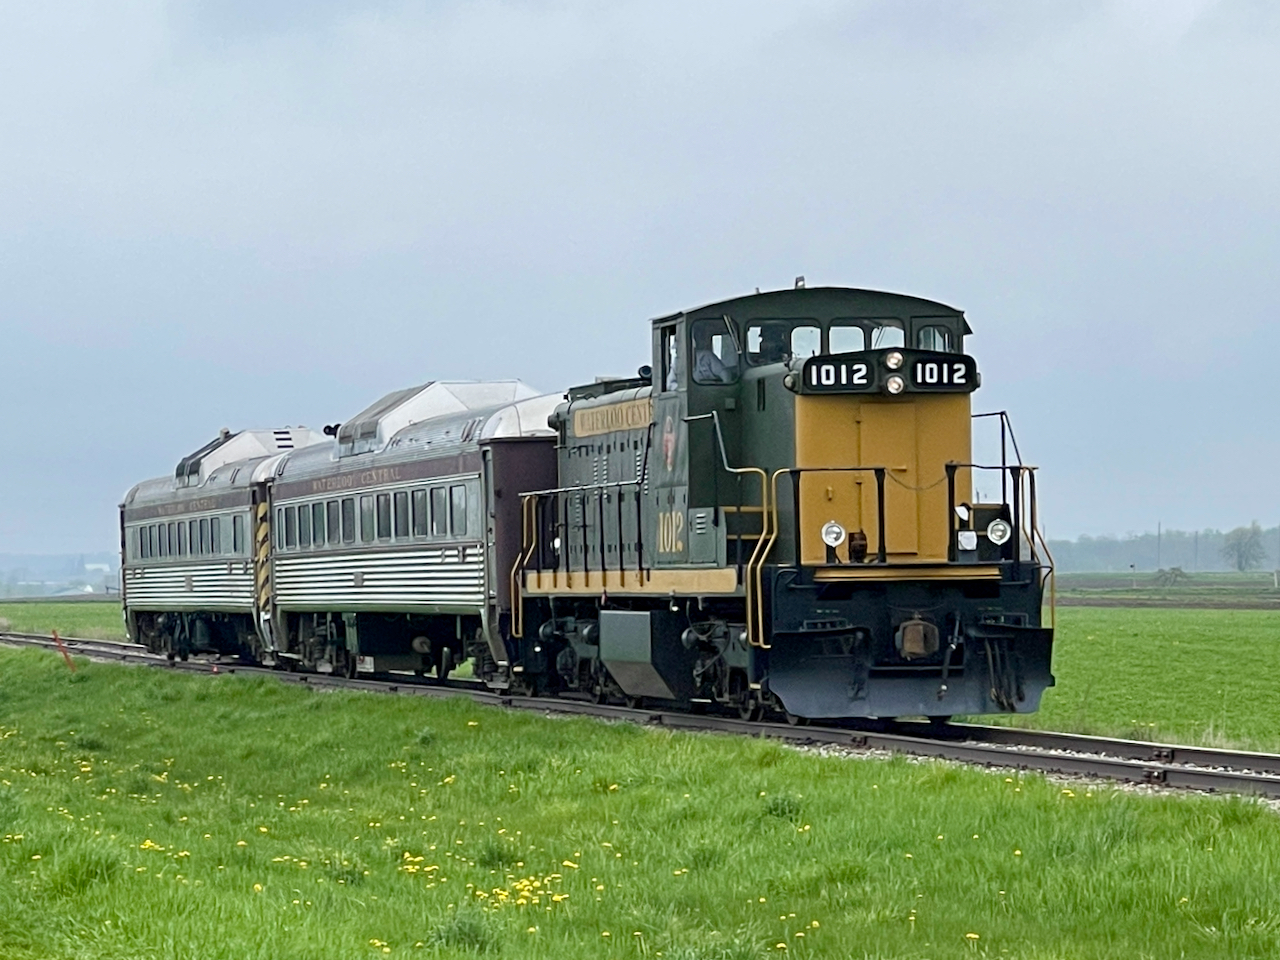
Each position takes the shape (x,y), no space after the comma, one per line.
(921,371)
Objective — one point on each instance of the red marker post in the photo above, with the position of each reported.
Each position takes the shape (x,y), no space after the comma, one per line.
(62,648)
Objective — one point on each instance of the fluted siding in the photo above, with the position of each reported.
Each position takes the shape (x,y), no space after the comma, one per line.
(432,577)
(215,585)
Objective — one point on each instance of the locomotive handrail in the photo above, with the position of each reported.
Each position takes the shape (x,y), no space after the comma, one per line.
(529,539)
(1022,474)
(1006,436)
(880,474)
(752,585)
(529,533)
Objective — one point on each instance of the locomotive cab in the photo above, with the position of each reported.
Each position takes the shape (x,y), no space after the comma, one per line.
(792,522)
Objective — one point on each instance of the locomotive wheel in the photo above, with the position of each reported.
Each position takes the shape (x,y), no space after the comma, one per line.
(751,710)
(444,666)
(634,703)
(793,720)
(349,667)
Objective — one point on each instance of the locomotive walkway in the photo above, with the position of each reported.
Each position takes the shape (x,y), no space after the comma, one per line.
(1101,758)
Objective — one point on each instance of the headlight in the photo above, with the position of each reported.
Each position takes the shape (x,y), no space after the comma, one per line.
(893,360)
(999,532)
(894,384)
(967,539)
(832,534)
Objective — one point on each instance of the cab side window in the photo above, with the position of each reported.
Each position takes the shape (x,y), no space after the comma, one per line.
(715,356)
(669,347)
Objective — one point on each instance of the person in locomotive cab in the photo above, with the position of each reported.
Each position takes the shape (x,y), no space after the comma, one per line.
(672,379)
(773,344)
(707,366)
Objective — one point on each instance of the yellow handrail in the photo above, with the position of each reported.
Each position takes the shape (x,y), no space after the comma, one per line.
(768,537)
(529,533)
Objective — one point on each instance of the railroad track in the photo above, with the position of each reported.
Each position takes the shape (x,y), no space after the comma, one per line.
(1103,758)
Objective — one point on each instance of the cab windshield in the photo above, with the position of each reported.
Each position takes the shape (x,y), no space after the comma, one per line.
(777,341)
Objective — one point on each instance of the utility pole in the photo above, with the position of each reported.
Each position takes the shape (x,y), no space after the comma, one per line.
(1158,567)
(1195,553)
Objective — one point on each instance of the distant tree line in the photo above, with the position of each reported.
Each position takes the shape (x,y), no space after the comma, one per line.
(1249,547)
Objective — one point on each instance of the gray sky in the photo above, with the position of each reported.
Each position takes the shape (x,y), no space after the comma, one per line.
(246,214)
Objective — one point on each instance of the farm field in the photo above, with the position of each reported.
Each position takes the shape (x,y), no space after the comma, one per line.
(147,814)
(88,619)
(1250,590)
(1200,676)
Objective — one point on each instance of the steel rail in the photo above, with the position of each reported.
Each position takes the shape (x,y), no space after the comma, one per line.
(1089,757)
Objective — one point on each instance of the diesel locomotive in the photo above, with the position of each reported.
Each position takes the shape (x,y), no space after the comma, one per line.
(778,515)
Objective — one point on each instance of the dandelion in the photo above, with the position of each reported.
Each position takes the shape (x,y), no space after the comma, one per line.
(814,924)
(257,888)
(604,933)
(241,843)
(1017,853)
(972,936)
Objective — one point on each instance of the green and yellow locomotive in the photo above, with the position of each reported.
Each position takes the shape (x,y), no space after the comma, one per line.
(779,516)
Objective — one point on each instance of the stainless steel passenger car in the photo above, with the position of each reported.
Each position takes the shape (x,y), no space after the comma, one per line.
(189,569)
(389,547)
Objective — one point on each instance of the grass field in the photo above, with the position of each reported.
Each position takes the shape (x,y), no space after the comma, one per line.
(77,618)
(1186,676)
(1253,589)
(1202,676)
(145,814)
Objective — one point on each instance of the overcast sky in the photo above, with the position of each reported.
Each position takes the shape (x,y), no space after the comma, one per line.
(254,214)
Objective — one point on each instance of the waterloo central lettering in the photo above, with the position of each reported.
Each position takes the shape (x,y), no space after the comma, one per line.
(190,506)
(352,481)
(631,415)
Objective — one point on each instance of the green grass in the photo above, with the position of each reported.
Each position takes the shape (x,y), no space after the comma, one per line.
(1253,589)
(1188,676)
(146,814)
(90,620)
